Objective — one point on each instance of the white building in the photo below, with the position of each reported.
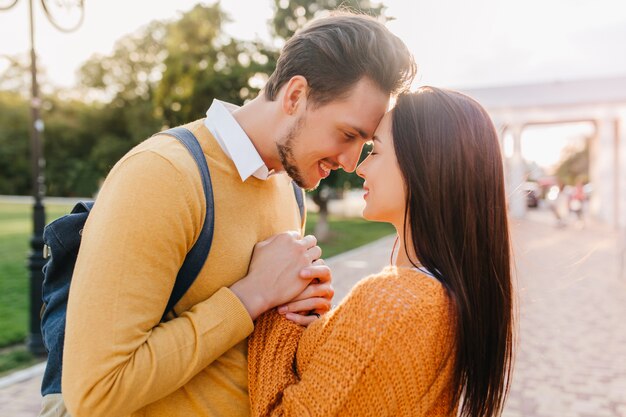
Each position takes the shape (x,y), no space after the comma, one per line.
(601,102)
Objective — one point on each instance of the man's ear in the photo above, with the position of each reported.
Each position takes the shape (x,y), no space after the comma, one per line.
(295,95)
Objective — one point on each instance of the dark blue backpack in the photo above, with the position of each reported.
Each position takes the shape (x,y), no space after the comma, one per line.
(61,244)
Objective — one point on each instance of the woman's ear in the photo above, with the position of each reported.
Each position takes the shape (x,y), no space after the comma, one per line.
(295,95)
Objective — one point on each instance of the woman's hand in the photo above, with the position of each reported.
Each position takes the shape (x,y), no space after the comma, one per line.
(315,299)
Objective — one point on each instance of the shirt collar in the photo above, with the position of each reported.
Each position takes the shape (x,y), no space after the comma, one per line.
(234,141)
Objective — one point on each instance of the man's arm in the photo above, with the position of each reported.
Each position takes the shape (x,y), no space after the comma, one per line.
(118,357)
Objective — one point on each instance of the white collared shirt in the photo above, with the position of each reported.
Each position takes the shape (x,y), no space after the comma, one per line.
(234,141)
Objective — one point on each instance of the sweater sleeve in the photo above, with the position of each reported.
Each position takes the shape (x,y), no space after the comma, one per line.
(271,361)
(333,369)
(117,356)
(384,351)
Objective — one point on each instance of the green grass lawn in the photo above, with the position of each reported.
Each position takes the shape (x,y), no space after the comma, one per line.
(348,233)
(16,357)
(15,233)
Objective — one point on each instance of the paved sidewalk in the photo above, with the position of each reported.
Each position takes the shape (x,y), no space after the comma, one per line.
(571,357)
(19,393)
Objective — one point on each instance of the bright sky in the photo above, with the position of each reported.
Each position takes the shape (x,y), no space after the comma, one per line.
(457,43)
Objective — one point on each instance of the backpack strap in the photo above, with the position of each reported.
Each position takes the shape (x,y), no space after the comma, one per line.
(195,259)
(200,251)
(299,199)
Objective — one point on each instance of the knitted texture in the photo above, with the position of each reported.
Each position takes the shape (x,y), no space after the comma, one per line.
(386,350)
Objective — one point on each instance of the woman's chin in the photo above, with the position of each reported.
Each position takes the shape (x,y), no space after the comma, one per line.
(376,215)
(369,214)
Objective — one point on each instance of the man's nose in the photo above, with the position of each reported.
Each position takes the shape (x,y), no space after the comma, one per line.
(350,158)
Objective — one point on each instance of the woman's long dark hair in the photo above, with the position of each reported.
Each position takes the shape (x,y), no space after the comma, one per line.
(448,152)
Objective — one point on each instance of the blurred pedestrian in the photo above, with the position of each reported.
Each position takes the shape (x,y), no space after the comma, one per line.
(577,203)
(558,202)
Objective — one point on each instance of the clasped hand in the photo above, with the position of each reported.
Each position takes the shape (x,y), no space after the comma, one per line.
(286,271)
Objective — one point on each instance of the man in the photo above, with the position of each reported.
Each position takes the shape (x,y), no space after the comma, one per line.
(330,89)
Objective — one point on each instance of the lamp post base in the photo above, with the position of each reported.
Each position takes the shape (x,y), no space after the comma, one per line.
(35,266)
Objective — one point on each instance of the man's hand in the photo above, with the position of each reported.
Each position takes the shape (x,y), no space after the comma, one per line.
(274,277)
(315,299)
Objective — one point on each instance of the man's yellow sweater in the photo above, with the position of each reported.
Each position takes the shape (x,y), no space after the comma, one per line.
(387,350)
(118,359)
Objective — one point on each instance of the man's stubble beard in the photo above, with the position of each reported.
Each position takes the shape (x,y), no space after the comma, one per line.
(286,156)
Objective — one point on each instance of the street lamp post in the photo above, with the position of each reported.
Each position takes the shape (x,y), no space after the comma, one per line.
(35,258)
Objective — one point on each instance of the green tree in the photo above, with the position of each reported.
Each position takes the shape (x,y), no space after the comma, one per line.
(125,83)
(164,74)
(15,174)
(167,74)
(132,71)
(70,135)
(291,15)
(15,122)
(574,165)
(16,76)
(204,63)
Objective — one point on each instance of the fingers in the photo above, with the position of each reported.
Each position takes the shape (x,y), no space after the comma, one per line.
(303,248)
(324,290)
(301,319)
(314,253)
(308,241)
(317,304)
(294,234)
(290,235)
(317,270)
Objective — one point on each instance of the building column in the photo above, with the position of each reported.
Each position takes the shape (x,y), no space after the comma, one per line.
(620,186)
(517,198)
(501,130)
(604,156)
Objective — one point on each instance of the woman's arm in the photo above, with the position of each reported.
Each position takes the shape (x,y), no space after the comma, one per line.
(386,347)
(330,371)
(271,360)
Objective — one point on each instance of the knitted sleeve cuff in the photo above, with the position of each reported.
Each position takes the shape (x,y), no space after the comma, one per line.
(271,353)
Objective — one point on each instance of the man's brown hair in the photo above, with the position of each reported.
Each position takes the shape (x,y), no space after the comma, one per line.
(333,53)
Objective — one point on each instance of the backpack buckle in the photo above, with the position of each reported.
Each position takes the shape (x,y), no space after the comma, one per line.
(46,251)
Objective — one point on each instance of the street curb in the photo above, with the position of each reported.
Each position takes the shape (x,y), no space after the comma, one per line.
(22,375)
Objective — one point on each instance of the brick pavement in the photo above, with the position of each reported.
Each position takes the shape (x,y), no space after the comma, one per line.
(20,398)
(571,359)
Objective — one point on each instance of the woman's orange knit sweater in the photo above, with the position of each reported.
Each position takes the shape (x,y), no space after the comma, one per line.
(386,350)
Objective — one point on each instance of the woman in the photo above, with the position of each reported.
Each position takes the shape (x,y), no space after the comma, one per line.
(431,334)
